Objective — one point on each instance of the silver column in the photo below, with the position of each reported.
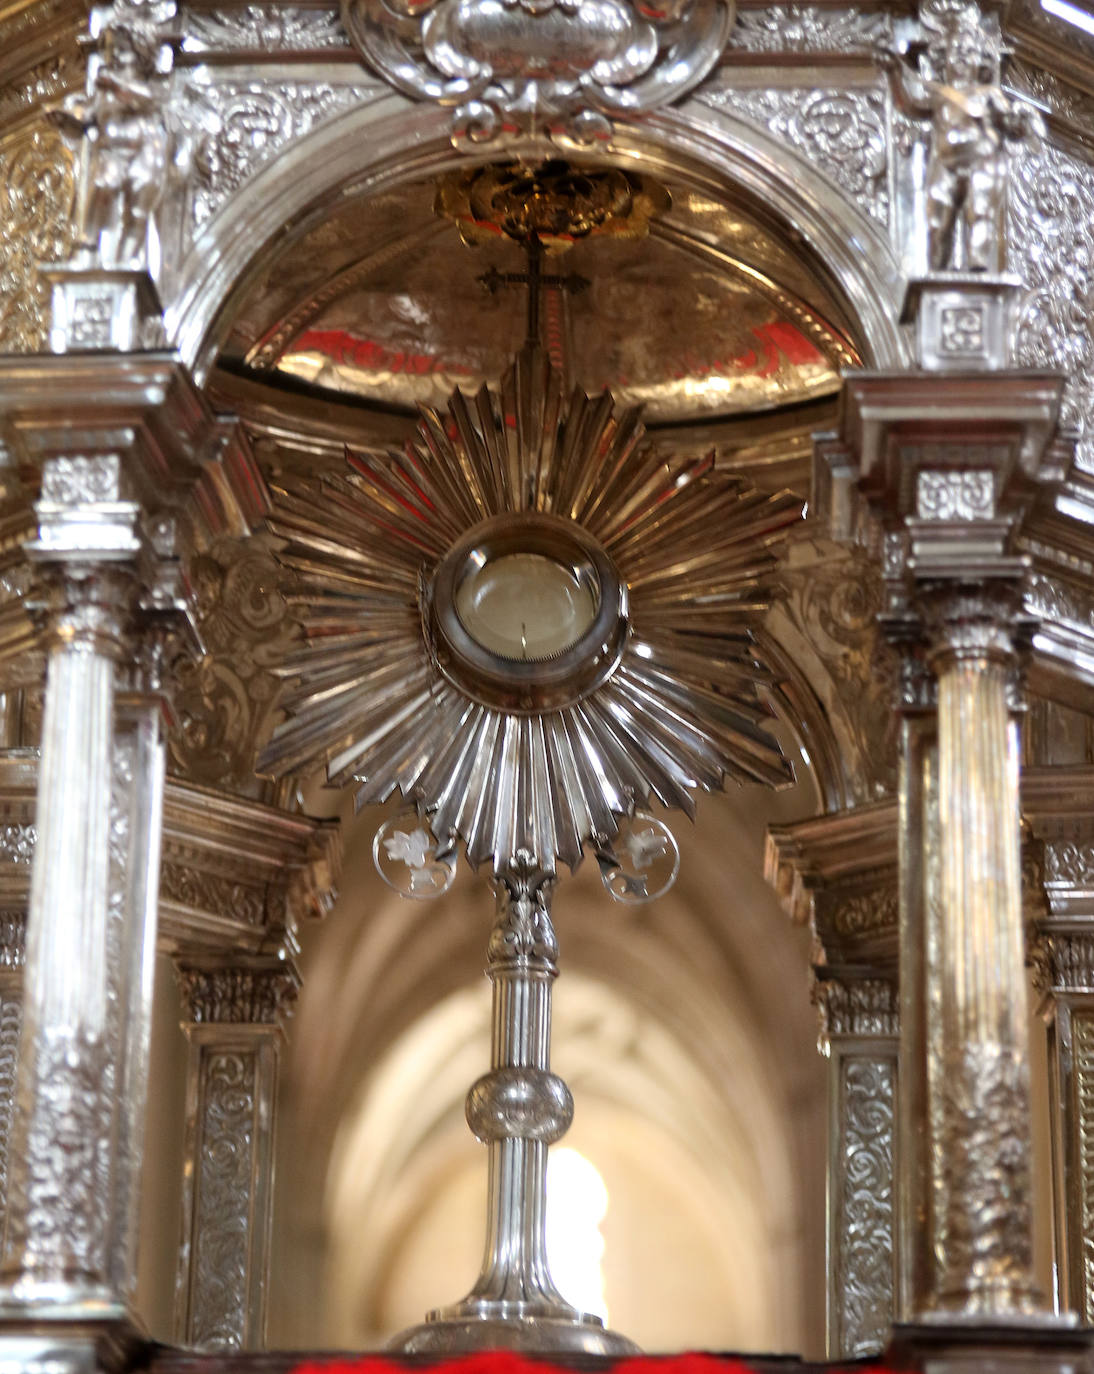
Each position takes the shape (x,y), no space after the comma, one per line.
(235,1033)
(64,1169)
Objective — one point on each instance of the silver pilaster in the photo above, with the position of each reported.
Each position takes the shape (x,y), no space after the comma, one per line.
(860,1034)
(234,1032)
(1057,804)
(838,874)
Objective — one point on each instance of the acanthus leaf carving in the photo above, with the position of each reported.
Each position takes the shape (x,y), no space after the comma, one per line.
(865,1006)
(238,996)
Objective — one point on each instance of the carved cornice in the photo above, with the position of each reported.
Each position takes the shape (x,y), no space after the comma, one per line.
(236,875)
(258,995)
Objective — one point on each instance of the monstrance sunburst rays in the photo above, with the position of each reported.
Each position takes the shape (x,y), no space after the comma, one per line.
(682,708)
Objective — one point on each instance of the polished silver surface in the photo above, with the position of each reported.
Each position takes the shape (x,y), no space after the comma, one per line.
(518,1110)
(564,69)
(367,693)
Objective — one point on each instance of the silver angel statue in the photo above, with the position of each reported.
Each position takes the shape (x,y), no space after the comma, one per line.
(971,121)
(127,144)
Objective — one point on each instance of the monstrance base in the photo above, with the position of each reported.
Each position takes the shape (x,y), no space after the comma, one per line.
(440,1334)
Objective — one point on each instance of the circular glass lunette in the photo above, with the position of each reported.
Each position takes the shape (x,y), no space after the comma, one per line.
(526,613)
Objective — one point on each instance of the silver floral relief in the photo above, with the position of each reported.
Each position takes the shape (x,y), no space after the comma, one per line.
(223,1200)
(237,126)
(1051,248)
(263,28)
(1082,1032)
(864,1275)
(811,29)
(984,1155)
(842,132)
(59,1202)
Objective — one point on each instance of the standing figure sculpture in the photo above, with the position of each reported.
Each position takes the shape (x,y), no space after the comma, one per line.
(126,141)
(967,163)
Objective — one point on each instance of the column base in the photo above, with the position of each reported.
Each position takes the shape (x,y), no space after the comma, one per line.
(55,1336)
(1050,1343)
(441,1334)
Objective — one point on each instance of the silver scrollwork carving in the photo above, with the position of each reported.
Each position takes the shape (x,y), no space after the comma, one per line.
(1083,1049)
(865,1258)
(224,1185)
(955,495)
(565,67)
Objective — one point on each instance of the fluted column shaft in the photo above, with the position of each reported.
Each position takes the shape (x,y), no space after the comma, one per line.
(978,1063)
(63,1174)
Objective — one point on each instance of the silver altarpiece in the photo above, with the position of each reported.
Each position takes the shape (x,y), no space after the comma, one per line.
(833,506)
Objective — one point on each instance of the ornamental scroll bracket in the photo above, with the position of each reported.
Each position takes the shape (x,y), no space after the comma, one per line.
(564,69)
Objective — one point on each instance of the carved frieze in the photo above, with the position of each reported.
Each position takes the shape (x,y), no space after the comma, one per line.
(37,195)
(864,1255)
(841,131)
(204,891)
(869,911)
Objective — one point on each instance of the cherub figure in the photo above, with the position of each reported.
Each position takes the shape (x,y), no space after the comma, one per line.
(127,143)
(968,160)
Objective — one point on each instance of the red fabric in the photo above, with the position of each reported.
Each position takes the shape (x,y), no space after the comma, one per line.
(508,1362)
